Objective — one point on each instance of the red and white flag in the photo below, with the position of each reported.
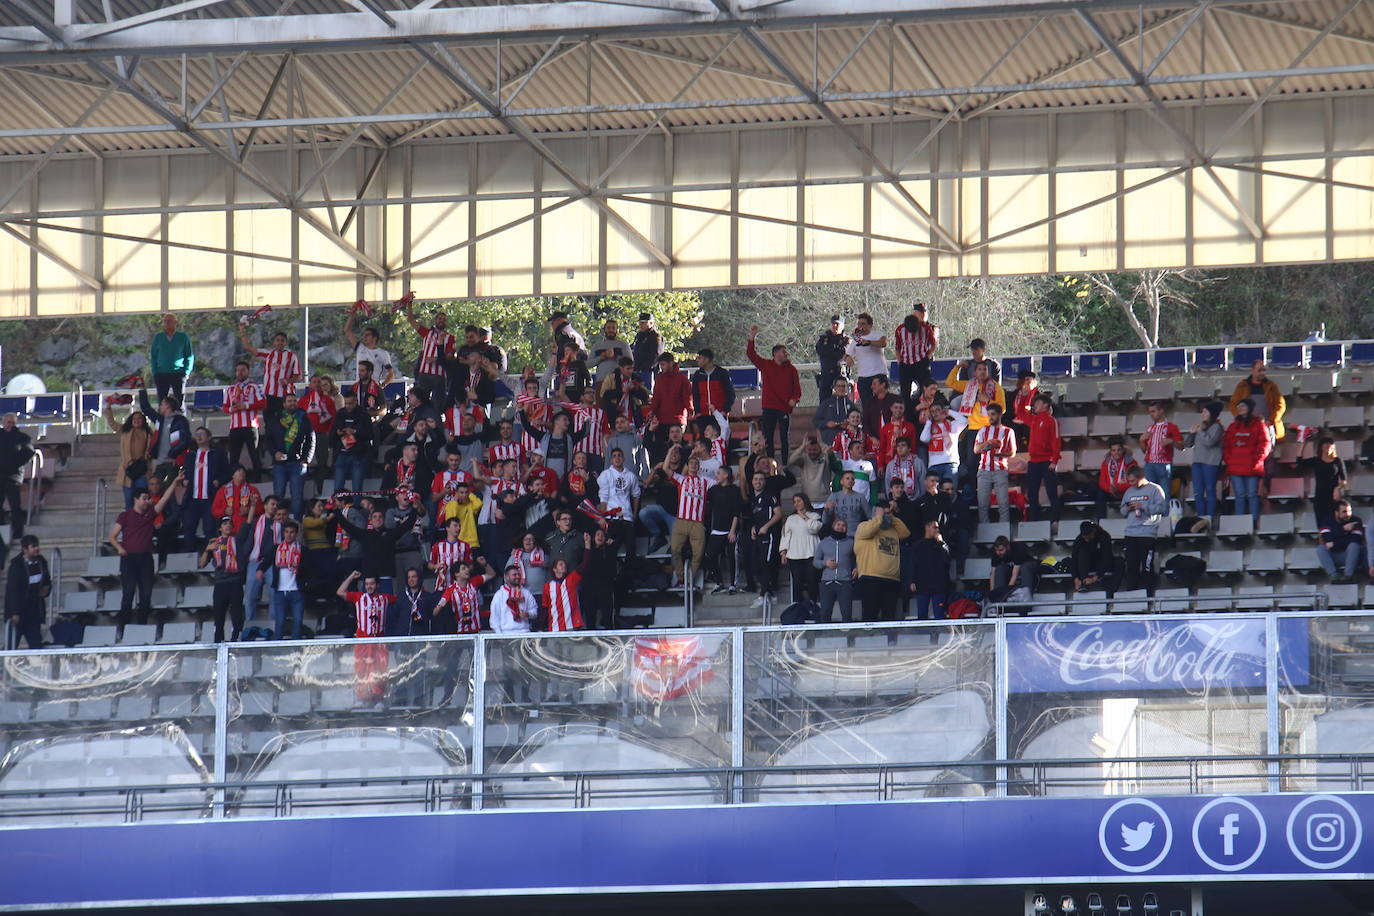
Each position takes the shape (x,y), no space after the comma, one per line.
(668,667)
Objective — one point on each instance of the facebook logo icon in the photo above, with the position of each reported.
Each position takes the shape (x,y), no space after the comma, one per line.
(1229,833)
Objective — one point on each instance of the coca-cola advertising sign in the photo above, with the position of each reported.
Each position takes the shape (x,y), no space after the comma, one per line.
(1131,655)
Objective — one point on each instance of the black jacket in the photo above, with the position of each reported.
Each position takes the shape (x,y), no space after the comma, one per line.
(23,598)
(378,545)
(724,504)
(16,448)
(932,566)
(177,427)
(1092,556)
(357,418)
(301,447)
(830,350)
(646,349)
(219,471)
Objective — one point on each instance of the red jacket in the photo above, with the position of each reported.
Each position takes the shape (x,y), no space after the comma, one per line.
(781,384)
(672,398)
(1044,437)
(1245,446)
(887,440)
(1117,487)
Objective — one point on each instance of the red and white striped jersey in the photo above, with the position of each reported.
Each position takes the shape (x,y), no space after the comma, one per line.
(1158,447)
(912,348)
(501,485)
(436,345)
(691,497)
(842,439)
(445,553)
(560,595)
(718,449)
(370,611)
(995,459)
(279,367)
(201,485)
(243,402)
(593,420)
(320,408)
(453,418)
(506,451)
(466,602)
(447,479)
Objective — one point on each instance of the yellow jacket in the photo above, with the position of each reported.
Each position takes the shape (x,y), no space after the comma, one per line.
(877,550)
(466,513)
(977,417)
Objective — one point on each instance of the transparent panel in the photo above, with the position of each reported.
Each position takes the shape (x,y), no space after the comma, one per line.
(398,711)
(1094,690)
(606,704)
(1326,701)
(74,721)
(918,698)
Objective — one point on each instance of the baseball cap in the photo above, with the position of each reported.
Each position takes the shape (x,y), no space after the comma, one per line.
(918,306)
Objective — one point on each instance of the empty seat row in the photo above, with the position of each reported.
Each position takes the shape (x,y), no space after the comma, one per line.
(147,634)
(164,597)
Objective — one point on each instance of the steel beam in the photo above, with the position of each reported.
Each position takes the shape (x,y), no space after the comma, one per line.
(46,252)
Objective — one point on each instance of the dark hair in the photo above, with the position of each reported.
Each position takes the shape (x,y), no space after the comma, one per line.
(729,472)
(864,316)
(707,352)
(289,525)
(881,378)
(207,431)
(373,331)
(998,407)
(171,399)
(367,363)
(1135,472)
(141,491)
(472,329)
(1339,503)
(244,364)
(618,448)
(977,343)
(667,358)
(1041,397)
(1324,441)
(1002,541)
(625,361)
(28,540)
(559,316)
(1116,440)
(901,439)
(777,347)
(1025,374)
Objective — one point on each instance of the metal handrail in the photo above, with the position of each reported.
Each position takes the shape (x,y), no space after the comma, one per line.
(55,571)
(1154,602)
(35,485)
(101,490)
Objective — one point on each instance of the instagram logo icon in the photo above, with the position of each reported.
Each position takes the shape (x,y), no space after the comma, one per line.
(1324,831)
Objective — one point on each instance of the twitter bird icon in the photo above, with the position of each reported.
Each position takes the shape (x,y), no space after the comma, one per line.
(1134,839)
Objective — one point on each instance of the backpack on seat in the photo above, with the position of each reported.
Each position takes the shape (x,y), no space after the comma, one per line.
(963,607)
(1184,570)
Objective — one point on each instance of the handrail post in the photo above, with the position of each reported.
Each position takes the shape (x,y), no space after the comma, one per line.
(101,488)
(35,476)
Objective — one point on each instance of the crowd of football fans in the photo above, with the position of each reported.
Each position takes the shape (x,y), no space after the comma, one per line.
(531,497)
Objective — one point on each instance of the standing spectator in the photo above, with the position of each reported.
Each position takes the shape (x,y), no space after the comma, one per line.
(830,350)
(877,407)
(286,582)
(765,532)
(409,549)
(671,401)
(291,439)
(244,402)
(833,411)
(976,396)
(596,592)
(1328,477)
(781,392)
(27,586)
(444,553)
(689,528)
(1023,404)
(1205,441)
(513,607)
(436,348)
(533,563)
(631,445)
(712,391)
(132,538)
(724,509)
(229,555)
(1268,403)
(266,533)
(1158,444)
(619,490)
(1341,539)
(1043,458)
(377,543)
(978,353)
(568,346)
(607,352)
(352,444)
(460,602)
(172,437)
(811,465)
(1246,445)
(564,542)
(866,353)
(1092,560)
(907,467)
(993,445)
(647,347)
(916,340)
(206,471)
(932,558)
(172,359)
(368,391)
(877,547)
(1113,476)
(941,439)
(658,516)
(370,660)
(848,502)
(281,370)
(1143,504)
(867,482)
(561,596)
(135,450)
(622,395)
(798,548)
(412,613)
(897,427)
(321,405)
(369,349)
(835,561)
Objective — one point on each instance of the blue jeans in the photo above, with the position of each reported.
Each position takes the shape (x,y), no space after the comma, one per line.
(947,471)
(280,602)
(290,473)
(656,520)
(930,607)
(1037,473)
(254,591)
(1246,490)
(1205,477)
(139,484)
(350,468)
(197,522)
(1350,557)
(1159,472)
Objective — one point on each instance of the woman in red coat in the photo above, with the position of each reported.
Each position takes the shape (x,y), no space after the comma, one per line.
(1248,441)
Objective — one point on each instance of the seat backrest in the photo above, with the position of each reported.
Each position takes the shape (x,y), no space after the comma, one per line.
(1175,360)
(207,399)
(139,634)
(744,378)
(1328,354)
(1133,361)
(1095,364)
(1058,366)
(99,636)
(1286,356)
(49,405)
(1209,359)
(1013,366)
(1242,357)
(939,368)
(178,632)
(1362,353)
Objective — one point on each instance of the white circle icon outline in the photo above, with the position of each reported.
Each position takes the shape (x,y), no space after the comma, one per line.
(1164,819)
(1354,820)
(1259,819)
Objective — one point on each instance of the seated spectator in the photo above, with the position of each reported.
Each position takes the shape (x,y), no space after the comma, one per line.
(1143,504)
(1205,441)
(1245,447)
(1012,567)
(1113,476)
(660,511)
(852,430)
(978,353)
(1093,563)
(1341,542)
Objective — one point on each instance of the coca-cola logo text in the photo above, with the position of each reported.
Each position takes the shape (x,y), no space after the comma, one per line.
(1115,654)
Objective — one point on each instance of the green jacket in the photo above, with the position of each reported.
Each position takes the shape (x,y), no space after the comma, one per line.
(172,354)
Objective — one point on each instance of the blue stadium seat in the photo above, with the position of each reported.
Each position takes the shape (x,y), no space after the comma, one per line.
(1209,359)
(1328,355)
(15,405)
(1171,360)
(1133,362)
(49,406)
(345,390)
(1242,357)
(394,390)
(939,368)
(892,368)
(744,378)
(1095,364)
(1013,366)
(1362,354)
(90,404)
(207,400)
(1056,366)
(1287,356)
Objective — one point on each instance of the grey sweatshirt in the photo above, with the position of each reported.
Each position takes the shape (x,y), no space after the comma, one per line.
(841,551)
(1153,505)
(852,507)
(636,458)
(1206,445)
(813,477)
